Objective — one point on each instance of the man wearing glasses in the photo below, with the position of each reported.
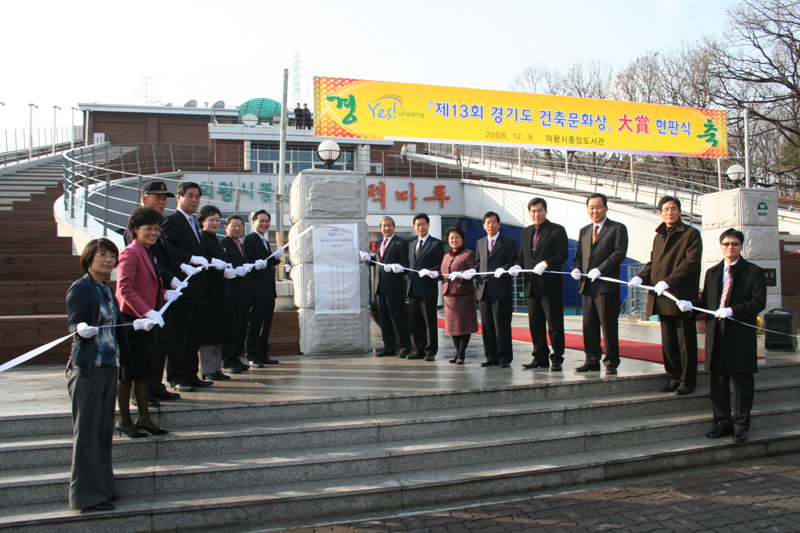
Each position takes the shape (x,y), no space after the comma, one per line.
(737,290)
(674,266)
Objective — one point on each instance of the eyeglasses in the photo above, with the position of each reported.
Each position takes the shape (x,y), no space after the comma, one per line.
(727,244)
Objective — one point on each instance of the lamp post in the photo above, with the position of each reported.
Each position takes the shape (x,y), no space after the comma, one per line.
(56,109)
(72,130)
(30,131)
(329,152)
(736,173)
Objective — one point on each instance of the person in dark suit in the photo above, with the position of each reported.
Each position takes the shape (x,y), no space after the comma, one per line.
(674,265)
(184,239)
(308,118)
(737,289)
(391,291)
(299,117)
(257,248)
(242,290)
(424,254)
(544,246)
(602,247)
(495,252)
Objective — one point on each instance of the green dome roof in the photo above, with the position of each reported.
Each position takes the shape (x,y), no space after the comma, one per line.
(266,109)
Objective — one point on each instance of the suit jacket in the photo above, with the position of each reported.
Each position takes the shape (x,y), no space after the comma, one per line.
(503,255)
(430,257)
(675,259)
(241,287)
(736,344)
(606,255)
(162,253)
(389,283)
(183,245)
(264,279)
(553,247)
(463,260)
(138,287)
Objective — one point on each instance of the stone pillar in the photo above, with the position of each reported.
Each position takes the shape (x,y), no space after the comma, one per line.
(754,212)
(321,197)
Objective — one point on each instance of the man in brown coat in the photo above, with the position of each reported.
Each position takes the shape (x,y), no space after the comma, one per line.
(674,266)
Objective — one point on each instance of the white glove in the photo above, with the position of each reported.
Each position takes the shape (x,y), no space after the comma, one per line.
(249,267)
(365,256)
(635,281)
(515,270)
(261,264)
(179,285)
(499,272)
(155,317)
(229,273)
(593,274)
(540,268)
(198,260)
(172,295)
(469,274)
(219,264)
(723,313)
(452,276)
(86,331)
(685,306)
(425,273)
(660,287)
(576,274)
(397,269)
(242,271)
(387,267)
(188,269)
(279,253)
(143,324)
(433,274)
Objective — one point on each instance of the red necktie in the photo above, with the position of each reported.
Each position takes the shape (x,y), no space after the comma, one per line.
(491,244)
(383,246)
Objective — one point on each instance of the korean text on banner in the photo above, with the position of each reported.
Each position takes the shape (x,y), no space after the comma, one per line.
(365,109)
(337,279)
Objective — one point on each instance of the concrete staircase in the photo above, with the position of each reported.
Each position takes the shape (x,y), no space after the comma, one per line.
(283,464)
(37,266)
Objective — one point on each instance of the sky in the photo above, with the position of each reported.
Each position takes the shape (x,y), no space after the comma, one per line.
(84,51)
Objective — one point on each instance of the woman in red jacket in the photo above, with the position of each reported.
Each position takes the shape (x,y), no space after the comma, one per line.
(460,313)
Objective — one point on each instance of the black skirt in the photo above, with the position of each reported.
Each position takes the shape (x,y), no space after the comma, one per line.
(136,365)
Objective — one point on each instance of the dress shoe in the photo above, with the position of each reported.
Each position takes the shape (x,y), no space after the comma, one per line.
(720,431)
(555,367)
(114,498)
(454,360)
(611,371)
(156,431)
(197,383)
(255,363)
(183,386)
(233,369)
(505,365)
(417,355)
(670,388)
(430,358)
(740,436)
(683,391)
(460,362)
(166,396)
(104,506)
(535,364)
(490,363)
(587,368)
(138,434)
(270,361)
(404,352)
(384,353)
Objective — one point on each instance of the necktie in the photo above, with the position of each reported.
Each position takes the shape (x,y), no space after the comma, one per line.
(536,237)
(419,245)
(266,244)
(194,228)
(240,248)
(383,247)
(491,244)
(726,287)
(594,233)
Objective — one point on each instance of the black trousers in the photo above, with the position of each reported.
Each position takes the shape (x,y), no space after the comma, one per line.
(496,325)
(258,328)
(394,324)
(601,312)
(424,324)
(232,352)
(158,356)
(743,396)
(679,345)
(546,314)
(183,361)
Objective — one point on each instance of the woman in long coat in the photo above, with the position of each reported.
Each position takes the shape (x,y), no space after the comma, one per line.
(460,313)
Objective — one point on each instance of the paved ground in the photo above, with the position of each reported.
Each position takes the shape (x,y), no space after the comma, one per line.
(755,496)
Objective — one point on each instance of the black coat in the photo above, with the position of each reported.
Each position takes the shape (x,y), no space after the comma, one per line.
(553,247)
(183,245)
(389,283)
(263,280)
(430,257)
(737,348)
(218,325)
(606,255)
(503,255)
(241,287)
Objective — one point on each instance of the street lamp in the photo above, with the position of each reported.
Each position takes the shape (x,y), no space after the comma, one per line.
(736,174)
(329,152)
(30,132)
(56,109)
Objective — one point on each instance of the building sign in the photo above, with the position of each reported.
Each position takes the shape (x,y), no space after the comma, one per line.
(762,209)
(365,109)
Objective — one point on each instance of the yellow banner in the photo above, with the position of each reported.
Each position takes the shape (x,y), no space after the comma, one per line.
(364,109)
